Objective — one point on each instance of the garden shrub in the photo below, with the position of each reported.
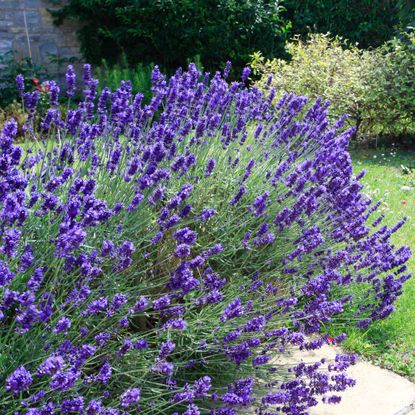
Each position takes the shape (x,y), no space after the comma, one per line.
(393,85)
(171,32)
(155,258)
(371,86)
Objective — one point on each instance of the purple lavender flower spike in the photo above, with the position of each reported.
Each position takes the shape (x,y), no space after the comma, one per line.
(19,380)
(245,73)
(87,75)
(210,166)
(20,84)
(70,81)
(130,397)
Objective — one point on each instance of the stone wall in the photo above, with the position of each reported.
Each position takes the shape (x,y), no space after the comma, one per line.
(28,22)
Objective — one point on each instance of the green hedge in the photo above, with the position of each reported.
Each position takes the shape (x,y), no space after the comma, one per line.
(375,87)
(170,32)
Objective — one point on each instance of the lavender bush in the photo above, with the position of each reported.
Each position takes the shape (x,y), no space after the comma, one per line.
(155,258)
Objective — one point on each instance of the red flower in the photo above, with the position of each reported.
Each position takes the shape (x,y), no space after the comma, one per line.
(35,81)
(330,339)
(404,202)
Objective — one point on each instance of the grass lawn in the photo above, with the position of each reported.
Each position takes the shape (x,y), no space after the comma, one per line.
(390,343)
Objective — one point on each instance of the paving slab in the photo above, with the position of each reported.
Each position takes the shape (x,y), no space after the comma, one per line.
(408,410)
(377,391)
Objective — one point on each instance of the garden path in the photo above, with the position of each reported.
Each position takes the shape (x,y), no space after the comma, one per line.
(377,391)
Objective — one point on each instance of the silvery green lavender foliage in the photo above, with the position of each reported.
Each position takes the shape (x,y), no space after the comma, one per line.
(155,258)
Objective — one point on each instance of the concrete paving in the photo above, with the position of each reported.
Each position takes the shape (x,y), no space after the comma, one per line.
(377,391)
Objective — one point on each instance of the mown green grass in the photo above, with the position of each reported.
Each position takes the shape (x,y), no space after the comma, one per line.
(391,342)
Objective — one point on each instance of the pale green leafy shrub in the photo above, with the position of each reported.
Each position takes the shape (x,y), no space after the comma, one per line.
(394,86)
(375,87)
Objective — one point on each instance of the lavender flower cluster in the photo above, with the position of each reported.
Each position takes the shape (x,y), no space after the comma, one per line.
(156,257)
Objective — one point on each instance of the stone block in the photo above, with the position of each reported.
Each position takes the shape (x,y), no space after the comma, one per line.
(16,29)
(32,18)
(11,4)
(4,24)
(8,16)
(69,51)
(5,45)
(46,49)
(35,4)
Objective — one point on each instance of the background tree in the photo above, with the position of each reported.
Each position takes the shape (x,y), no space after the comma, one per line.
(171,32)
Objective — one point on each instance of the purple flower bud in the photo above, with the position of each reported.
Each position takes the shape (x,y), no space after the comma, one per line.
(245,73)
(54,91)
(19,380)
(62,325)
(182,251)
(87,73)
(70,81)
(175,324)
(227,70)
(20,84)
(130,397)
(210,166)
(242,190)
